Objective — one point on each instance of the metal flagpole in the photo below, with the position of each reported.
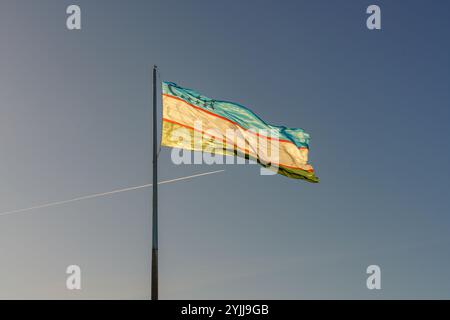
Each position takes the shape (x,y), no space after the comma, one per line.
(155,195)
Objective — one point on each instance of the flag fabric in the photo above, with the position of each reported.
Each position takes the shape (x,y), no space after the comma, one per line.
(195,122)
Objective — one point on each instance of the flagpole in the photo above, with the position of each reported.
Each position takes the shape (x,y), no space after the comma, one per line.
(154,279)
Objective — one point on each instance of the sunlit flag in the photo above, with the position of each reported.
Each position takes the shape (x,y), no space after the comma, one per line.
(193,121)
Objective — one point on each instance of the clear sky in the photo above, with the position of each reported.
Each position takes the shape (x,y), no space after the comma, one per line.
(75,119)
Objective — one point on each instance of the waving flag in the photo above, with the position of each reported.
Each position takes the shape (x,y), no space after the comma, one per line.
(194,122)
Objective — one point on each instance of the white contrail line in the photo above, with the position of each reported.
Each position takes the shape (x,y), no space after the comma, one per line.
(96,195)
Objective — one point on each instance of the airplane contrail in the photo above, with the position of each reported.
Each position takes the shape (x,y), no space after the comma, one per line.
(96,195)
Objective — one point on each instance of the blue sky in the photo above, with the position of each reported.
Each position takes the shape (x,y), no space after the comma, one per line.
(75,119)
